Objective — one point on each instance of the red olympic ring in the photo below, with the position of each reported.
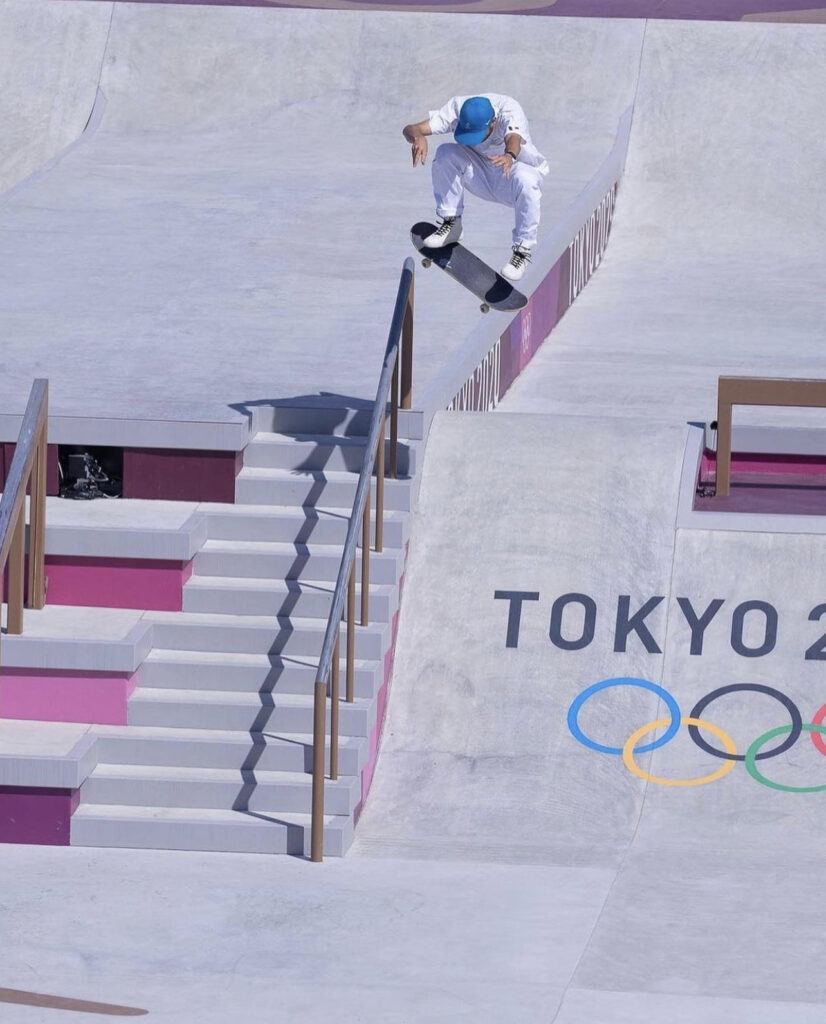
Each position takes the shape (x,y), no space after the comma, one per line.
(817,738)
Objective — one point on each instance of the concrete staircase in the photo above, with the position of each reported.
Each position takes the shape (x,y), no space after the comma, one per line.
(218,750)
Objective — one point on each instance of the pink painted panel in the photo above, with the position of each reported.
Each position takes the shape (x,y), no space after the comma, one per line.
(37,816)
(180,475)
(117,582)
(775,465)
(40,696)
(369,769)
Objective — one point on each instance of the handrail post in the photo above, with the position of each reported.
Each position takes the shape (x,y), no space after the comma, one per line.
(334,688)
(394,420)
(723,469)
(351,635)
(407,350)
(319,743)
(27,470)
(365,562)
(380,489)
(17,557)
(37,519)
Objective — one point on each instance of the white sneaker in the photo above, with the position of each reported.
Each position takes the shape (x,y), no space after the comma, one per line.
(449,232)
(517,264)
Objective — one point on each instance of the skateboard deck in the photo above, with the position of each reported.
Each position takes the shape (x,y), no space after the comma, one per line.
(492,290)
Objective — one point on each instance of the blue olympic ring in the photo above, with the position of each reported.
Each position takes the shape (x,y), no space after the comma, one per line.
(643,684)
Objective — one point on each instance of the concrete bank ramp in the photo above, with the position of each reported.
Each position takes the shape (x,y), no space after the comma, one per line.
(51,55)
(717,257)
(235,227)
(688,903)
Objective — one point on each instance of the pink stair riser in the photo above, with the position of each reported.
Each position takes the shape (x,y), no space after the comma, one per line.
(41,695)
(39,817)
(147,584)
(369,769)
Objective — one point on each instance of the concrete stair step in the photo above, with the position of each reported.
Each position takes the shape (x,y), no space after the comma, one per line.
(252,634)
(216,748)
(216,709)
(248,673)
(329,488)
(338,420)
(167,828)
(296,525)
(322,452)
(274,560)
(228,789)
(244,595)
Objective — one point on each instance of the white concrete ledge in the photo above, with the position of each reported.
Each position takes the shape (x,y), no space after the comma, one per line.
(46,754)
(80,639)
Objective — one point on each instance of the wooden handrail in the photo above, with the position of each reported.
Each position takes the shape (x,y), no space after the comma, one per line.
(28,467)
(778,391)
(399,349)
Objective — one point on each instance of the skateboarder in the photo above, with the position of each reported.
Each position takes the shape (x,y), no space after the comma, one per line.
(493,158)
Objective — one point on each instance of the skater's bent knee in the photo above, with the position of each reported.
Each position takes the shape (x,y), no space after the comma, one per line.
(526,177)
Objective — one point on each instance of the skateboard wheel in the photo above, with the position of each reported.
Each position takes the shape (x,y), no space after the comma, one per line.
(426,262)
(485,307)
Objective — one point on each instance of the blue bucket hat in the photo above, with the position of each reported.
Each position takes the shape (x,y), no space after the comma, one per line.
(474,119)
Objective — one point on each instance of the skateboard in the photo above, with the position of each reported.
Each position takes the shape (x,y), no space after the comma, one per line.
(493,291)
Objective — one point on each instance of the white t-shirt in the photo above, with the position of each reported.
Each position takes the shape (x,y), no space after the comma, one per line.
(508,117)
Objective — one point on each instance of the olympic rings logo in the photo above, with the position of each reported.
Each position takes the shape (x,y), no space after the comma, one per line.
(695,723)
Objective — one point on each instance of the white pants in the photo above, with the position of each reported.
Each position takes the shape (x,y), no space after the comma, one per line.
(456,168)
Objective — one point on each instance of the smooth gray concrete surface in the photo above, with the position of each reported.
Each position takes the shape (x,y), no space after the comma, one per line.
(233,230)
(710,914)
(51,55)
(717,259)
(215,939)
(470,757)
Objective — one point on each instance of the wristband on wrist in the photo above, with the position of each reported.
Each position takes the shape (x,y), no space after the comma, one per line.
(513,156)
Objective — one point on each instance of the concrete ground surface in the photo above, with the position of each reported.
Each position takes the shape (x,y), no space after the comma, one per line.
(235,186)
(225,938)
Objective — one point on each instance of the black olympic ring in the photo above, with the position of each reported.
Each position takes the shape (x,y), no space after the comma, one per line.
(788,704)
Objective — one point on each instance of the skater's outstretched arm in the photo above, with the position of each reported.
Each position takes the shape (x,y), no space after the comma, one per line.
(416,135)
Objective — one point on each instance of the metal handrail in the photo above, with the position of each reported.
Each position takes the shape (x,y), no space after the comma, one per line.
(28,467)
(777,391)
(400,338)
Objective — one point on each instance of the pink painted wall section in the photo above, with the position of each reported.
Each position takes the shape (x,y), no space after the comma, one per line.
(35,695)
(766,484)
(768,465)
(117,583)
(178,475)
(369,769)
(546,306)
(40,817)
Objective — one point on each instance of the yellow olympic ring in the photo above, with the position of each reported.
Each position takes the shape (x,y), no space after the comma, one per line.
(661,723)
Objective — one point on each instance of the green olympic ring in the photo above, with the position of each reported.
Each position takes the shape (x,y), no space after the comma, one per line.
(756,774)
